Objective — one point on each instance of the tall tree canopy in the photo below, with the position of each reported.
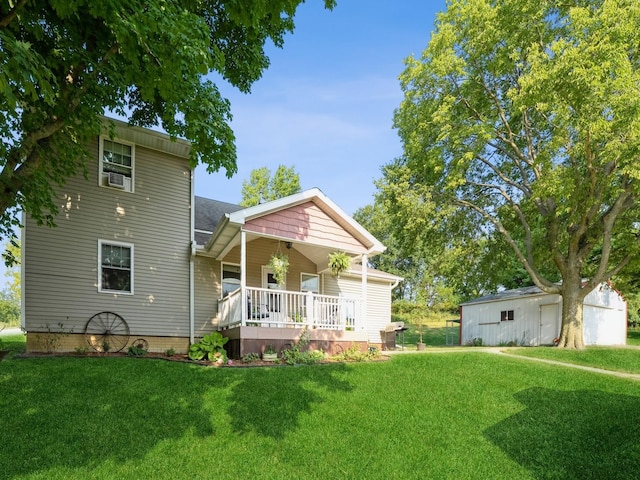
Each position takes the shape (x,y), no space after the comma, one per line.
(64,63)
(262,187)
(523,118)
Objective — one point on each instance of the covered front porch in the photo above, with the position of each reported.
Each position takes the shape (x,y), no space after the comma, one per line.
(286,309)
(255,310)
(277,318)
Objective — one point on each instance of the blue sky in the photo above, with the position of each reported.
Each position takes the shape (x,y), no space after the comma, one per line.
(326,103)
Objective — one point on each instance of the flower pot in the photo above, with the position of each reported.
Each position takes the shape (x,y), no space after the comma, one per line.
(421,346)
(270,357)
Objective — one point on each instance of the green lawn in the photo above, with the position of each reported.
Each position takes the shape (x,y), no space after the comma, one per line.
(608,358)
(433,335)
(461,415)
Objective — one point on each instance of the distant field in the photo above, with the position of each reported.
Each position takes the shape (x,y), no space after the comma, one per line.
(434,334)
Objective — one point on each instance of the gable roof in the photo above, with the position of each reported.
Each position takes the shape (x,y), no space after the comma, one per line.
(262,220)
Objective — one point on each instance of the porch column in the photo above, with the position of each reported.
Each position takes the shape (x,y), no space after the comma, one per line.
(243,277)
(363,310)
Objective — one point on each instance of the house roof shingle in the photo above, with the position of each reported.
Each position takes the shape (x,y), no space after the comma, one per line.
(208,213)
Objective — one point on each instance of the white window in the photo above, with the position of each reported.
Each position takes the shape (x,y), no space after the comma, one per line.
(309,282)
(115,267)
(117,161)
(230,278)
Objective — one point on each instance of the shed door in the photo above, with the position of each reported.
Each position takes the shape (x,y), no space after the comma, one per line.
(548,324)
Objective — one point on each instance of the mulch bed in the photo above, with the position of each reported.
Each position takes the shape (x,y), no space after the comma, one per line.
(183,358)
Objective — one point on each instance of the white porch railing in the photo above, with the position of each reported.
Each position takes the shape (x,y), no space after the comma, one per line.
(281,308)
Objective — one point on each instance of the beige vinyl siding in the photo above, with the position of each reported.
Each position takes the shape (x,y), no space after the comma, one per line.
(259,252)
(378,308)
(378,300)
(206,295)
(61,264)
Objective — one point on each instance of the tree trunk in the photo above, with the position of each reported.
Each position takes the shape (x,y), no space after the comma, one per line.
(571,332)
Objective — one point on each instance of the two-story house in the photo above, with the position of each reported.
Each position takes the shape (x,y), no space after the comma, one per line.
(136,255)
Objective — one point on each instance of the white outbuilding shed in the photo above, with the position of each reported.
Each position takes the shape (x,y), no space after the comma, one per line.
(529,316)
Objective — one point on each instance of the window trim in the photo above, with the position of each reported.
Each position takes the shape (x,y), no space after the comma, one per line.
(101,163)
(310,275)
(222,264)
(131,270)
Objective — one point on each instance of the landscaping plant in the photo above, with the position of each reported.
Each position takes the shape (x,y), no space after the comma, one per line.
(339,262)
(298,354)
(210,348)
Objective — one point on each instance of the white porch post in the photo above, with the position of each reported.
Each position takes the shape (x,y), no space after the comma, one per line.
(243,277)
(363,310)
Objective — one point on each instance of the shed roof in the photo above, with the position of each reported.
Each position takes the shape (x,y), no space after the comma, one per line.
(533,290)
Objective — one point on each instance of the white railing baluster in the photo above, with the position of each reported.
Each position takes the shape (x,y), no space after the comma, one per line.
(282,308)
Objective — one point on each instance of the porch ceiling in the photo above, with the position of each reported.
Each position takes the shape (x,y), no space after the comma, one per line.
(230,238)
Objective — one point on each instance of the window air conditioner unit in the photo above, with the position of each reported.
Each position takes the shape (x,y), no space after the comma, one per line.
(116,180)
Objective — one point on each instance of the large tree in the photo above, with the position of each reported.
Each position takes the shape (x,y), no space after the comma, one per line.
(523,118)
(64,63)
(264,187)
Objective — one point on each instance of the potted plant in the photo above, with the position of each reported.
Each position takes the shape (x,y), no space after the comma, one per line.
(338,263)
(420,324)
(279,264)
(270,354)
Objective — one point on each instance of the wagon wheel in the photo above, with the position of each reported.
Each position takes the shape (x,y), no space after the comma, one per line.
(140,343)
(107,332)
(337,349)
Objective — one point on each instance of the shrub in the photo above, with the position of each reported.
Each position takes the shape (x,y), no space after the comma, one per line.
(210,348)
(51,339)
(136,351)
(296,355)
(355,354)
(251,357)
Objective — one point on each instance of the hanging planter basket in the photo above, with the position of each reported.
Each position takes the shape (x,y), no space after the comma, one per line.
(279,263)
(339,262)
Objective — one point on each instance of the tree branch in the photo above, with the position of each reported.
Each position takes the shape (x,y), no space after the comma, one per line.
(11,14)
(538,279)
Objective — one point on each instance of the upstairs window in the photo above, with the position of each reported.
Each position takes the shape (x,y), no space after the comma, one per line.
(116,164)
(115,264)
(506,315)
